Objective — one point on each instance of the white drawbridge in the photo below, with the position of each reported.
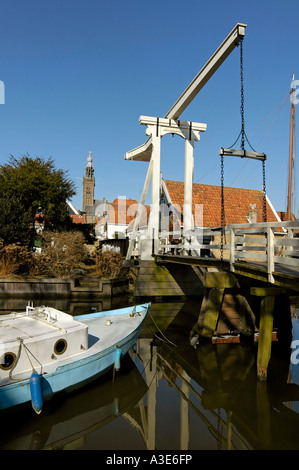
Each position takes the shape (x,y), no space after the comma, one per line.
(150,151)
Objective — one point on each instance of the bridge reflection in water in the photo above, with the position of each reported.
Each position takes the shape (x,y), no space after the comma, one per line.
(171,394)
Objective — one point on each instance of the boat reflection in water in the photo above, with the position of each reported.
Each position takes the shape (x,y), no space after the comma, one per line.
(171,394)
(67,420)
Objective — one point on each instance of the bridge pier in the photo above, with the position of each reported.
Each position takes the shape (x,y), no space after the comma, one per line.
(159,281)
(223,303)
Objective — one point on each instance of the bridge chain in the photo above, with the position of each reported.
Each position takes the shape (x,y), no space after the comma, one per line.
(222,208)
(243,138)
(242,97)
(264,193)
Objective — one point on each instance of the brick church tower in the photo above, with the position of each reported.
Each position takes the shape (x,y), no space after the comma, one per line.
(88,184)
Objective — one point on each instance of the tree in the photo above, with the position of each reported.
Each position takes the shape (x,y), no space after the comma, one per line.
(31,186)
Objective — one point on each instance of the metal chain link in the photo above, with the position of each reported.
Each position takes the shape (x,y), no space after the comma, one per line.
(242,97)
(222,206)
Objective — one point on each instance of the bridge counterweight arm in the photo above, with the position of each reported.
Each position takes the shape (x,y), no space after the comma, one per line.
(143,152)
(219,56)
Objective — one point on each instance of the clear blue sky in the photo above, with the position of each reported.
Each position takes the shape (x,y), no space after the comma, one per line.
(78,74)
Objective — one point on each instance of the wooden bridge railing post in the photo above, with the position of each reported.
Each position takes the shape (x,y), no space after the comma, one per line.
(290,237)
(270,254)
(232,248)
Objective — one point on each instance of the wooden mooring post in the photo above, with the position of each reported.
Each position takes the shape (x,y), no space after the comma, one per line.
(268,295)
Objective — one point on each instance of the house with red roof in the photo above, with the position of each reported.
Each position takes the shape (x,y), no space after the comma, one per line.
(113,218)
(240,205)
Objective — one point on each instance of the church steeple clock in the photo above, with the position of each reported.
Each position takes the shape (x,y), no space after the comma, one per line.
(88,184)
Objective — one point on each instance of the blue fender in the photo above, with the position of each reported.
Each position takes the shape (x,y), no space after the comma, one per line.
(36,392)
(117,358)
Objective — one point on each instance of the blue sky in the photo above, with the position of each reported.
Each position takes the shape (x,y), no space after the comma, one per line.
(78,74)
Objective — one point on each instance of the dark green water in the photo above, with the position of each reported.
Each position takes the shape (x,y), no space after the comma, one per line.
(168,395)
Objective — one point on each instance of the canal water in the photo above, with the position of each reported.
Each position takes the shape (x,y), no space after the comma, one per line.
(170,394)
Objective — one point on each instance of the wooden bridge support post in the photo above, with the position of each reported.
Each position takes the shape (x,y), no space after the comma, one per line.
(212,303)
(188,187)
(216,283)
(154,217)
(265,327)
(265,336)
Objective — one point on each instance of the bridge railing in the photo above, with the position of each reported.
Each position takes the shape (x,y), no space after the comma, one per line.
(204,243)
(264,243)
(267,243)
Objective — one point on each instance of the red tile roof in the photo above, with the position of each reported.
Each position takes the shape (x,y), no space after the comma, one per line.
(143,218)
(122,211)
(237,203)
(78,219)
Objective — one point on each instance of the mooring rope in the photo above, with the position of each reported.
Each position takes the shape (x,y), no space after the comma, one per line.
(27,350)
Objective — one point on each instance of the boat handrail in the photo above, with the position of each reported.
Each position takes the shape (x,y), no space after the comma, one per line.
(33,311)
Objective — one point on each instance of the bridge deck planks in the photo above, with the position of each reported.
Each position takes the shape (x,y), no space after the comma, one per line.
(284,276)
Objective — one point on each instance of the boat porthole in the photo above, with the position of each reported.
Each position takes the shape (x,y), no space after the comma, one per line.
(7,361)
(60,346)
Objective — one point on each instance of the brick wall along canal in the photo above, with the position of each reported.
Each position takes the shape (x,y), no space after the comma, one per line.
(169,395)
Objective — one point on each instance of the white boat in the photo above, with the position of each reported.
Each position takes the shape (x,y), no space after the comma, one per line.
(44,351)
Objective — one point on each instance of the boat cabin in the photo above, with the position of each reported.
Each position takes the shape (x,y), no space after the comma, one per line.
(36,339)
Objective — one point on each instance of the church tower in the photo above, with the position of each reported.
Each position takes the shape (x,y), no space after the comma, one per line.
(88,184)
